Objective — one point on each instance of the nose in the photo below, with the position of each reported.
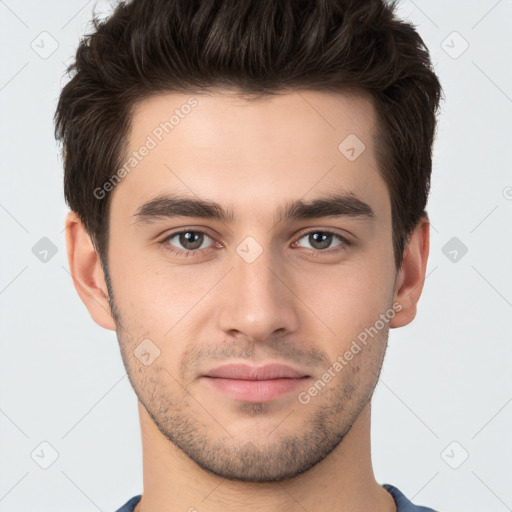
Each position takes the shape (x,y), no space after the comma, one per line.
(259,301)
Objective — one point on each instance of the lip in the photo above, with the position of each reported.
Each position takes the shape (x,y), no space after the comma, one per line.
(248,372)
(255,384)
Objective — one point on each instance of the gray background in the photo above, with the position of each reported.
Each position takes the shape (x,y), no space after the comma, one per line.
(442,412)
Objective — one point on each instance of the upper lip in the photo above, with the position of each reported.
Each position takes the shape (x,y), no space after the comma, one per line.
(248,372)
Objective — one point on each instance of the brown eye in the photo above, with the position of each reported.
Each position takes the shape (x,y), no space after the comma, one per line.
(186,241)
(191,239)
(322,240)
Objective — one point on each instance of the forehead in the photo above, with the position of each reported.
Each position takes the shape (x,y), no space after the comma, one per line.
(300,115)
(231,149)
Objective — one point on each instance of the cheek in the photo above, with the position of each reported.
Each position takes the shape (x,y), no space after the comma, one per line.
(158,298)
(350,298)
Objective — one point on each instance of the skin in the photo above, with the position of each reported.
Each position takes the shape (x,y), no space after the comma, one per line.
(294,304)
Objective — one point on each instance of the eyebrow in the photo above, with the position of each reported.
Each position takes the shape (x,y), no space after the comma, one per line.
(169,206)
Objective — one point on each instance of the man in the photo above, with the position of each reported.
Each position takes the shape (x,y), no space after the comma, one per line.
(247,183)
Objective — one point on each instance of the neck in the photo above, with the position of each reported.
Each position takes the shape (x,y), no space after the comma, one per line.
(343,481)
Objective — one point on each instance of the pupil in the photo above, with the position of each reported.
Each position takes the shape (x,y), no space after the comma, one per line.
(325,242)
(185,238)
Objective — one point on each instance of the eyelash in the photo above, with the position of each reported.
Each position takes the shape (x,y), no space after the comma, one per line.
(187,252)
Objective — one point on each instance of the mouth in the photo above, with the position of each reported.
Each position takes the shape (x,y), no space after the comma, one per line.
(255,384)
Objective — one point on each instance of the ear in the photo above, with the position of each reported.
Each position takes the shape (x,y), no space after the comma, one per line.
(410,278)
(87,272)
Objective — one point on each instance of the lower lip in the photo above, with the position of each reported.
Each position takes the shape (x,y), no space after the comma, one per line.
(255,390)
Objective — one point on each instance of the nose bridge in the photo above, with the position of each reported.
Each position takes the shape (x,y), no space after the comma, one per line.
(257,301)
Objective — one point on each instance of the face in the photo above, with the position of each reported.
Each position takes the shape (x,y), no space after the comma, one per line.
(291,266)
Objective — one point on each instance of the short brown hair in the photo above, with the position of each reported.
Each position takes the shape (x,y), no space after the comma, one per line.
(257,47)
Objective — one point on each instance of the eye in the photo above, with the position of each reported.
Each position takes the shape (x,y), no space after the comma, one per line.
(190,241)
(321,240)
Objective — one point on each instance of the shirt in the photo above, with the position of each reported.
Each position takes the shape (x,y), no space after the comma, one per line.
(402,503)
